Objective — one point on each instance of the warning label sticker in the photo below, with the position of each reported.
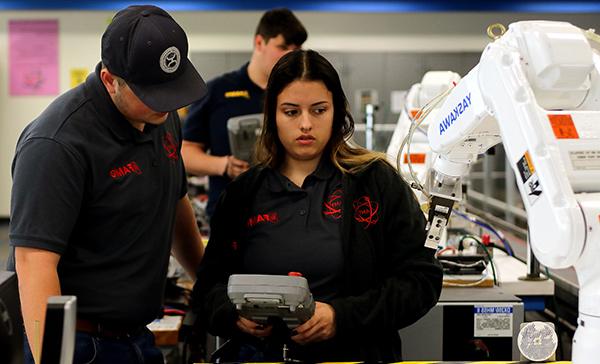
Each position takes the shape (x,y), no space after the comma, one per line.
(415,158)
(493,321)
(585,160)
(531,182)
(533,188)
(563,126)
(525,167)
(414,113)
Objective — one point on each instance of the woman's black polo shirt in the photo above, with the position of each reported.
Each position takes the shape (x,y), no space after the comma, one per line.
(297,229)
(92,188)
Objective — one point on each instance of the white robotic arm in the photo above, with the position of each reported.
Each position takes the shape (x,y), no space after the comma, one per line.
(537,90)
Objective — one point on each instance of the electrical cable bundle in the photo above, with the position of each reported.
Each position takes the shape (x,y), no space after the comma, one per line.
(406,142)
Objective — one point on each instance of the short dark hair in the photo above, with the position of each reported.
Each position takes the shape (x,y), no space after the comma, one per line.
(281,21)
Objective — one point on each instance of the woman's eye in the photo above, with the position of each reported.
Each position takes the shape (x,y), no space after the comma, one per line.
(290,112)
(320,110)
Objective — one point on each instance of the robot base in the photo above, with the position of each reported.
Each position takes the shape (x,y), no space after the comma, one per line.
(586,342)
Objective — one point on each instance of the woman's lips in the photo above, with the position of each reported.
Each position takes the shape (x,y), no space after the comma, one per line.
(305,139)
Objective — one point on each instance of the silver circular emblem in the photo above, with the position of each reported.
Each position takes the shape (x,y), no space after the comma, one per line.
(170,59)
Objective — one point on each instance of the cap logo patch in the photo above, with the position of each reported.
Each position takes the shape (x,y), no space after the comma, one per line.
(170,59)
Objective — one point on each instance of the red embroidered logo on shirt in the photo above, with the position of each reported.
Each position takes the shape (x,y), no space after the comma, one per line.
(333,206)
(366,211)
(131,167)
(270,217)
(170,146)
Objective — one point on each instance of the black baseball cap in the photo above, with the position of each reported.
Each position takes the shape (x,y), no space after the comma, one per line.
(146,47)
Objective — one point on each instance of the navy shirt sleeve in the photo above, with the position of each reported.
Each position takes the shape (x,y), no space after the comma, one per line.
(48,185)
(196,127)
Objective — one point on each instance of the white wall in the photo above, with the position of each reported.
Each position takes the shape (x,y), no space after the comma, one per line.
(80,32)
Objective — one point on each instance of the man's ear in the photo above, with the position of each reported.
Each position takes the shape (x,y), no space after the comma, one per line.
(259,42)
(108,80)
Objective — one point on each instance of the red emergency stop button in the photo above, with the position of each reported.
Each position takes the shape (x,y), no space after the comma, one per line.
(485,239)
(295,274)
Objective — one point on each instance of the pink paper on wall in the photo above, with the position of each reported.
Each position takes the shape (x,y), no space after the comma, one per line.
(33,57)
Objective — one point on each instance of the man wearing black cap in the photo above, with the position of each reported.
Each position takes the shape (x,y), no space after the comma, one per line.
(99,192)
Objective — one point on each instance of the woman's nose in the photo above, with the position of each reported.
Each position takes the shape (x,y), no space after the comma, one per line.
(305,123)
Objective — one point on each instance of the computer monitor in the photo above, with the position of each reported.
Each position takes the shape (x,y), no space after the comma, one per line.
(11,323)
(243,132)
(59,330)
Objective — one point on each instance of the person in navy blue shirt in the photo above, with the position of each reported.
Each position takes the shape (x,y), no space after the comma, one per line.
(206,150)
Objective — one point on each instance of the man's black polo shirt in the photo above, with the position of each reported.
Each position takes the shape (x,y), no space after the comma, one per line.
(230,95)
(293,229)
(92,188)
